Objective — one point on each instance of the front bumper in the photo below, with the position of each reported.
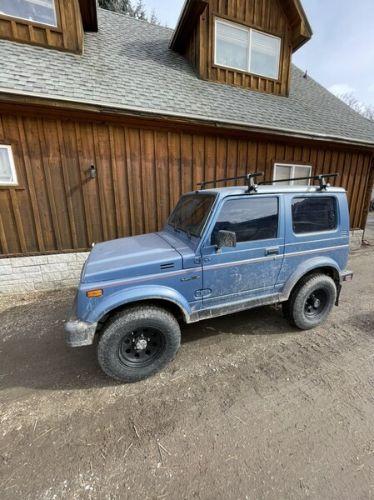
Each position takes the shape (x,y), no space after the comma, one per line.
(79,333)
(346,276)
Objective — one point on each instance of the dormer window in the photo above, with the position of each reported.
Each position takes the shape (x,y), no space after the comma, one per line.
(245,49)
(37,11)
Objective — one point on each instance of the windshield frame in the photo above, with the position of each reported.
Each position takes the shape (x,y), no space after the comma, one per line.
(204,223)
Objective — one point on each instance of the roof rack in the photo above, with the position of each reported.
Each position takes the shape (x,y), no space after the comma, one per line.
(250,178)
(252,186)
(322,178)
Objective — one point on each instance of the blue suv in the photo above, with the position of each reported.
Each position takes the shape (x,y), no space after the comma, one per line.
(221,251)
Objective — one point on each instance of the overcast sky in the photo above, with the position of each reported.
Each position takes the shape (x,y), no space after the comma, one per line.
(341,53)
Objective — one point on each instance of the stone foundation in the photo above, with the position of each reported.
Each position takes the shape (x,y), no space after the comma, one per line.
(40,273)
(53,272)
(356,238)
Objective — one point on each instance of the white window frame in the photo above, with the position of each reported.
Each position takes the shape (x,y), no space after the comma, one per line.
(14,180)
(292,166)
(33,21)
(250,31)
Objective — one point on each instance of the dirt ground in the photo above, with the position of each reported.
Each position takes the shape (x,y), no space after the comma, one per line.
(250,409)
(369,232)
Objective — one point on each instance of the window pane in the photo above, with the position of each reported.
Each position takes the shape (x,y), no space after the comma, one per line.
(6,174)
(191,213)
(265,53)
(302,172)
(251,219)
(40,11)
(282,172)
(232,46)
(316,214)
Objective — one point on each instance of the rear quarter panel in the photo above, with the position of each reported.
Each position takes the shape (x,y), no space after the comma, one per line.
(305,252)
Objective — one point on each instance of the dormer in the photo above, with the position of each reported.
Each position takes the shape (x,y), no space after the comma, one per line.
(248,43)
(55,24)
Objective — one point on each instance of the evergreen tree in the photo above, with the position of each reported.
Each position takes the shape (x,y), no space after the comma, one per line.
(126,7)
(123,6)
(139,11)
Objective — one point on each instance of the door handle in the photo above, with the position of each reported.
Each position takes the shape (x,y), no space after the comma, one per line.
(272,251)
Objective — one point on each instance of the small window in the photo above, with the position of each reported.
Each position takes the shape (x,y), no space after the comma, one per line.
(265,52)
(232,47)
(251,219)
(8,176)
(38,11)
(315,214)
(284,171)
(245,49)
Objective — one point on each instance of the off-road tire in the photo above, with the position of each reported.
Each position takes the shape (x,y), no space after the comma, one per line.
(311,289)
(120,328)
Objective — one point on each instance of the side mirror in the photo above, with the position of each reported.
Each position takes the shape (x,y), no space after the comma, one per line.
(225,239)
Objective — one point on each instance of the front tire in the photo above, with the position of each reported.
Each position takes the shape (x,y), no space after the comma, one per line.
(311,302)
(138,343)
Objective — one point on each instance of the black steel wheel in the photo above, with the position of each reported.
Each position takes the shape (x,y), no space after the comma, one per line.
(316,303)
(138,342)
(311,301)
(139,348)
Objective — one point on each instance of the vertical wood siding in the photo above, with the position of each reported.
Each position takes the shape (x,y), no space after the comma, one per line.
(141,172)
(67,35)
(264,15)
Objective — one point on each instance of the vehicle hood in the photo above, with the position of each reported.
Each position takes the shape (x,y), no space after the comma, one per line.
(129,258)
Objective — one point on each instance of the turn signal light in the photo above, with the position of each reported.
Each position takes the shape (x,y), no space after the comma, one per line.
(94,294)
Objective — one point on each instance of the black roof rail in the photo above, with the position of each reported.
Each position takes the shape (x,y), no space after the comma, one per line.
(322,179)
(250,178)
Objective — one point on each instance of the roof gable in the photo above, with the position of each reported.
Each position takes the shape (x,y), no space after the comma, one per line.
(192,9)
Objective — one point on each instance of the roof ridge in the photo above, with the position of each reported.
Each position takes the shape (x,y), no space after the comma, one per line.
(127,16)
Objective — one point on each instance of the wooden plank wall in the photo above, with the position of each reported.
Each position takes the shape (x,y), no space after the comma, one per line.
(141,172)
(264,15)
(67,35)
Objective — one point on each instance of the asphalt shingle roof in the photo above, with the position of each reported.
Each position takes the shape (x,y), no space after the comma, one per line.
(128,65)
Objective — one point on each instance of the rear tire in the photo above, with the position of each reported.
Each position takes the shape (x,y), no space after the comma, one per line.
(138,343)
(311,302)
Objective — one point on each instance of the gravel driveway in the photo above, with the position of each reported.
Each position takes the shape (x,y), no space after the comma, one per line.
(250,409)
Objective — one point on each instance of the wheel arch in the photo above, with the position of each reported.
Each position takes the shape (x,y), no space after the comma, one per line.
(329,268)
(162,297)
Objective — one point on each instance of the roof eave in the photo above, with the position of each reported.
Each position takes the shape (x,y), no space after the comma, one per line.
(7,95)
(88,10)
(191,11)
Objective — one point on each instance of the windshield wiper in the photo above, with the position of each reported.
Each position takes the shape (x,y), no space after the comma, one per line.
(179,229)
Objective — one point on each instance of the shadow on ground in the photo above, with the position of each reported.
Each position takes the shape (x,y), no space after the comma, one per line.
(34,355)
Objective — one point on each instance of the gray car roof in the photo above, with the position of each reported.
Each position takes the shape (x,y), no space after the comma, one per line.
(128,65)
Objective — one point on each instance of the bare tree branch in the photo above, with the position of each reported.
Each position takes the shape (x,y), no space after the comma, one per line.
(365,110)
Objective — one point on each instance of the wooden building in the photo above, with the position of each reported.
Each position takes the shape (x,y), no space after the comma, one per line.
(105,120)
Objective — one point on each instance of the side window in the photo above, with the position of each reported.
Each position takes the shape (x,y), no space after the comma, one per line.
(8,176)
(252,219)
(314,214)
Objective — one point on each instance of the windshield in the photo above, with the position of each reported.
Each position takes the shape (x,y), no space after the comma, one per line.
(191,213)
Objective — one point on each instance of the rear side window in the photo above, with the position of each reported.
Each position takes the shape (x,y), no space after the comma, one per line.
(317,214)
(250,218)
